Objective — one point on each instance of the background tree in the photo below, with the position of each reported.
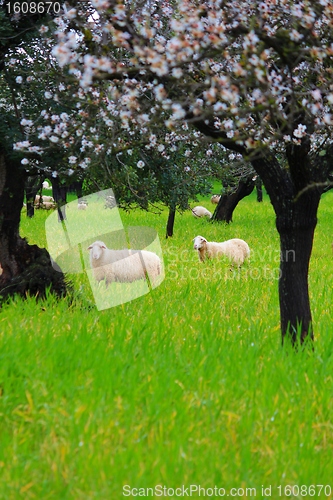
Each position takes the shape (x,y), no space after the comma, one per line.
(24,268)
(147,178)
(238,180)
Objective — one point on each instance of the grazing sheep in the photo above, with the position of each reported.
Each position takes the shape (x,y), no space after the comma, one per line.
(215,199)
(201,212)
(82,205)
(46,185)
(235,249)
(46,205)
(123,265)
(39,199)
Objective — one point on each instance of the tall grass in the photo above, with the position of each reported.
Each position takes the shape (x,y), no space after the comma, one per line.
(187,385)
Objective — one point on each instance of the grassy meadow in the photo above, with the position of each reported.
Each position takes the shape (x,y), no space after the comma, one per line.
(186,385)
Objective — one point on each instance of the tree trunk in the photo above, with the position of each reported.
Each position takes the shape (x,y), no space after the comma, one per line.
(59,192)
(23,268)
(295,203)
(296,229)
(228,202)
(33,184)
(258,184)
(170,223)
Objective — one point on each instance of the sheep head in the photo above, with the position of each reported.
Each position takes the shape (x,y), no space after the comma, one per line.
(199,242)
(96,249)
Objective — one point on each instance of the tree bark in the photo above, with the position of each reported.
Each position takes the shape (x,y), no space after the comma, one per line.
(24,269)
(170,223)
(228,202)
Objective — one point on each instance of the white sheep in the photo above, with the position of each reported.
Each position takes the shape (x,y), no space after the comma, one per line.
(82,206)
(235,249)
(201,212)
(123,265)
(47,205)
(44,198)
(215,199)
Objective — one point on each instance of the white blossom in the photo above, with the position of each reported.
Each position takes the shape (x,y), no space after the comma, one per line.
(300,131)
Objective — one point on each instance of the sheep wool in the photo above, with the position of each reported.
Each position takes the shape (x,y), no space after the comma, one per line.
(201,212)
(236,250)
(123,265)
(43,199)
(46,205)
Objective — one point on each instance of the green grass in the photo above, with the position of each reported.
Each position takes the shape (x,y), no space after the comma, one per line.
(185,385)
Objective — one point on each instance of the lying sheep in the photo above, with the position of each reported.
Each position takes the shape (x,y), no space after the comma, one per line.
(215,199)
(235,249)
(201,212)
(123,265)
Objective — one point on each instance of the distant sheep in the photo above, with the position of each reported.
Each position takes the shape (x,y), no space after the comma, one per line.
(46,185)
(235,249)
(39,198)
(46,205)
(110,202)
(123,265)
(201,212)
(82,206)
(215,199)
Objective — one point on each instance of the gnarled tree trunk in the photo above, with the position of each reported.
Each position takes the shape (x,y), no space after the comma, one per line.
(24,269)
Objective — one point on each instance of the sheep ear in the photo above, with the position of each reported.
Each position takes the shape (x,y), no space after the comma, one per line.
(89,248)
(203,239)
(103,246)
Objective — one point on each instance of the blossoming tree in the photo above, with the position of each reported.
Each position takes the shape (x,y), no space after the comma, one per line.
(23,267)
(255,76)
